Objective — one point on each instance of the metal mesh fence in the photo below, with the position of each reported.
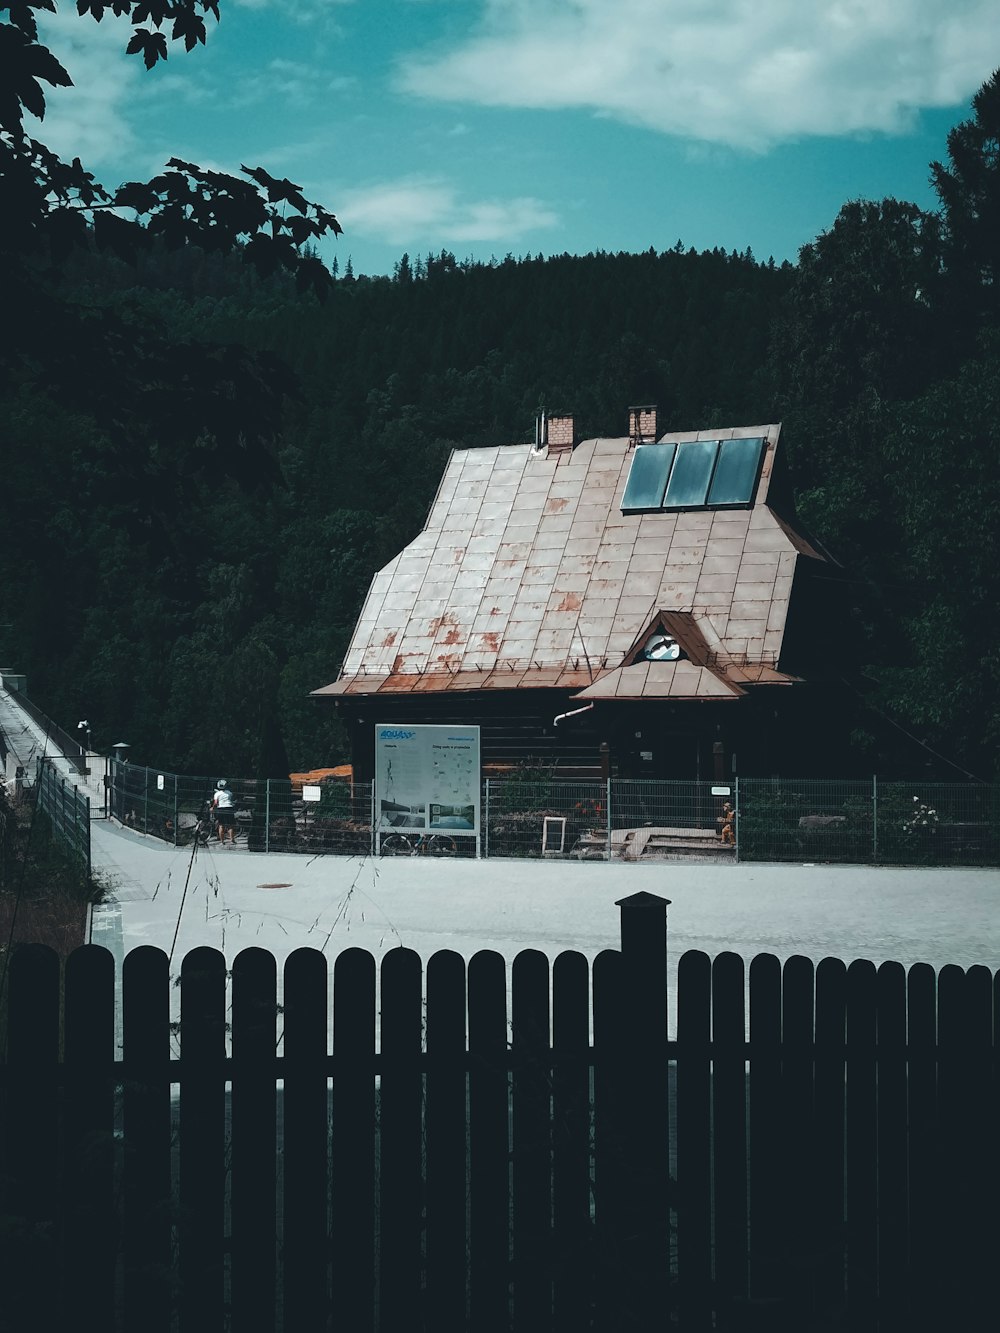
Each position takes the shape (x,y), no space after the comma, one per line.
(799,820)
(6,846)
(68,810)
(538,817)
(864,821)
(877,823)
(271,814)
(338,821)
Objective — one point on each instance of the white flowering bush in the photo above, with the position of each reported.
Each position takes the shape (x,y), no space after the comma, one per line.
(922,817)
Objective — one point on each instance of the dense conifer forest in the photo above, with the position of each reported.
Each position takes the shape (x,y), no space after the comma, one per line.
(203,467)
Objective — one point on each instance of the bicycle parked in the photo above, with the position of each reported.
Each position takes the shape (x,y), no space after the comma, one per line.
(418,844)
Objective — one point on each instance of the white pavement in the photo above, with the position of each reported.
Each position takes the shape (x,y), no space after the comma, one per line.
(280,902)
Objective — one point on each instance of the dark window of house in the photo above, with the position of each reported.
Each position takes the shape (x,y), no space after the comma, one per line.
(647,478)
(691,475)
(736,472)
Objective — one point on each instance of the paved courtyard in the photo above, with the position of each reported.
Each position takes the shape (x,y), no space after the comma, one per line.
(237,898)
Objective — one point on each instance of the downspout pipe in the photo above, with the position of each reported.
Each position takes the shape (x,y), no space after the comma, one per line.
(574,713)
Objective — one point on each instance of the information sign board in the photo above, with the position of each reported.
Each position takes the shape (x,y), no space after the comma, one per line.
(427,778)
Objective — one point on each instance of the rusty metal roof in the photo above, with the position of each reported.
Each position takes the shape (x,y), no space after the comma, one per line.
(527,574)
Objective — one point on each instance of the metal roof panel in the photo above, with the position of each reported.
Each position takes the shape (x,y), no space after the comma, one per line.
(520,550)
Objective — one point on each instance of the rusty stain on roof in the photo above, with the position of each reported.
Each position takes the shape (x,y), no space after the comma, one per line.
(570,586)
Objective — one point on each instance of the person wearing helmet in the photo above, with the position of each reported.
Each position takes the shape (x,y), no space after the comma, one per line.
(224,805)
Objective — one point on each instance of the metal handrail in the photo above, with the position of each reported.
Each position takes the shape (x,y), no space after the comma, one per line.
(71,750)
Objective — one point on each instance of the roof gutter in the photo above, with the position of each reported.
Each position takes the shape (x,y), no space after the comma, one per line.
(574,713)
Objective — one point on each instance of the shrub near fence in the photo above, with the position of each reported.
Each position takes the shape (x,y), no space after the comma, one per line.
(873,822)
(507,1171)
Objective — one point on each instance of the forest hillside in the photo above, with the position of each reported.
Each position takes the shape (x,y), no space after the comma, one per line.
(193,504)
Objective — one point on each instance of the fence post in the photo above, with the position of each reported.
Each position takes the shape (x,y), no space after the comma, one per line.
(86,815)
(176,830)
(485,840)
(642,1044)
(874,819)
(607,812)
(267,813)
(145,800)
(736,819)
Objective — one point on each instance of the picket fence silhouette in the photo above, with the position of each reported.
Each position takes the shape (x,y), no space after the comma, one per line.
(419,1158)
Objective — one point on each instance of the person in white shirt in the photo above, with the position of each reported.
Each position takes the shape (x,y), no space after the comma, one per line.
(224,805)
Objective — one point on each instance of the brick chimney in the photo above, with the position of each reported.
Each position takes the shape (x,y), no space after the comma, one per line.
(560,437)
(643,425)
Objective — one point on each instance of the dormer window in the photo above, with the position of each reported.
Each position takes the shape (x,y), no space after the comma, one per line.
(660,647)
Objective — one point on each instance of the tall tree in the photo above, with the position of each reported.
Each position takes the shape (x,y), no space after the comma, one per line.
(969,190)
(859,331)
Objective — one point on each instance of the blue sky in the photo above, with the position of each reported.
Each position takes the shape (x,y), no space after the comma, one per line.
(488,127)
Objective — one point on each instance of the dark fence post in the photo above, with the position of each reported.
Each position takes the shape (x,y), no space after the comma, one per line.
(445,1117)
(862,1148)
(305,1270)
(488,1143)
(149,1288)
(729,1125)
(30,1179)
(531,1129)
(202,1140)
(400,1142)
(828,1112)
(891,1129)
(966,1147)
(796,1185)
(86,826)
(642,1042)
(90,1236)
(352,1162)
(766,1279)
(694,1145)
(572,1228)
(252,1188)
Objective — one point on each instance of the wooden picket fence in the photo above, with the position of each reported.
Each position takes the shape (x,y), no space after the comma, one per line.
(423,1158)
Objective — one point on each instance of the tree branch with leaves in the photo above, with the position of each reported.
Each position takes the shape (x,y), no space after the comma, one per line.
(48,207)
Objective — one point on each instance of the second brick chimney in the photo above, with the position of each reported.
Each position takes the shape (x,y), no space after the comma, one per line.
(643,424)
(560,436)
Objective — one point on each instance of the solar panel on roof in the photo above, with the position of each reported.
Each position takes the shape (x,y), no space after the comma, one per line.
(691,474)
(736,473)
(647,478)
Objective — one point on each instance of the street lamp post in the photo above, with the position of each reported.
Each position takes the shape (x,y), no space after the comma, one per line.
(121,749)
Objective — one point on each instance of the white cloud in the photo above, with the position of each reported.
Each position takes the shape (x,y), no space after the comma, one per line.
(729,72)
(302,12)
(413,209)
(89,120)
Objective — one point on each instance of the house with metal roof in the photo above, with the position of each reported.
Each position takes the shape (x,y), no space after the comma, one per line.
(634,607)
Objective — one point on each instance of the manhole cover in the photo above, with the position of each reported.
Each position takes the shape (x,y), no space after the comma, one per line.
(274,886)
